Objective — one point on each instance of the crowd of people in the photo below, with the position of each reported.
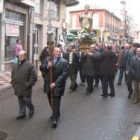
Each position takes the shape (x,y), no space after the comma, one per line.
(99,63)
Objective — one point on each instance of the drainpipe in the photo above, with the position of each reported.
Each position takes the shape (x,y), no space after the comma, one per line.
(29,33)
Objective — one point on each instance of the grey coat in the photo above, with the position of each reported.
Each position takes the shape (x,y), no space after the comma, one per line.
(23,77)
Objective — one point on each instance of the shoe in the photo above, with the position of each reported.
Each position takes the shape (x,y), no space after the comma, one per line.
(88,93)
(129,95)
(51,117)
(82,84)
(72,90)
(118,84)
(112,95)
(54,124)
(31,113)
(20,117)
(104,95)
(135,101)
(96,85)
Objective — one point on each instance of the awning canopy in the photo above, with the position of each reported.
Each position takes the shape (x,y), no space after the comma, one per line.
(69,3)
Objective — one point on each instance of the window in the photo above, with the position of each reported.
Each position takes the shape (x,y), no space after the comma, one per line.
(74,21)
(14,15)
(95,21)
(10,42)
(38,6)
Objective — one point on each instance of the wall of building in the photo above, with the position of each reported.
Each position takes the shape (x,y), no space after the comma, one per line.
(37,25)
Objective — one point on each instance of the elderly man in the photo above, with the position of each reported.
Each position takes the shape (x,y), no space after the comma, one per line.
(122,60)
(60,74)
(23,78)
(135,73)
(73,58)
(132,53)
(90,68)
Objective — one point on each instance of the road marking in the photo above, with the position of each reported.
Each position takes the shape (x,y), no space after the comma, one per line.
(135,138)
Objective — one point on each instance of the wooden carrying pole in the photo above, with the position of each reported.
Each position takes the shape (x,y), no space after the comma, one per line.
(51,74)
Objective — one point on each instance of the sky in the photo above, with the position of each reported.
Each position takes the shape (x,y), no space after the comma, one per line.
(132,7)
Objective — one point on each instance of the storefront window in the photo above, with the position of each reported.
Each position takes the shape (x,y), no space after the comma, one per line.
(10,40)
(13,31)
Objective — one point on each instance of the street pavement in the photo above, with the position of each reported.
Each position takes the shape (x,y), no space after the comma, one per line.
(83,117)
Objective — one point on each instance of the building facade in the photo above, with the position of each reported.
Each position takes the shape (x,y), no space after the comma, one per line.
(28,20)
(105,25)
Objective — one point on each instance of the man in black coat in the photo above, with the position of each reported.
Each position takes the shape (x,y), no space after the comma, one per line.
(89,69)
(107,70)
(60,74)
(135,73)
(23,78)
(73,60)
(131,54)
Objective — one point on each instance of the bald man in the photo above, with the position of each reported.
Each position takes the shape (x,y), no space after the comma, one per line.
(23,78)
(60,74)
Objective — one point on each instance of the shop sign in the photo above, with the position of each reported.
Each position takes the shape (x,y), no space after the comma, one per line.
(1,6)
(12,30)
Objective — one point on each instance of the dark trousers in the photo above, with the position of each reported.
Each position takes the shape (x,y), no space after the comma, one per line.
(107,80)
(23,103)
(56,105)
(89,80)
(73,77)
(122,70)
(96,80)
(129,84)
(82,77)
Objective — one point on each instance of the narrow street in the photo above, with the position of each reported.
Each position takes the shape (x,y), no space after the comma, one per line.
(83,117)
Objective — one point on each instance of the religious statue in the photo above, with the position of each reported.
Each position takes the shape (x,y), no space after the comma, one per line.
(86,23)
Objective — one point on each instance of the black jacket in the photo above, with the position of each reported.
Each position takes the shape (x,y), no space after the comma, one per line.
(23,78)
(75,61)
(60,74)
(135,68)
(130,55)
(107,63)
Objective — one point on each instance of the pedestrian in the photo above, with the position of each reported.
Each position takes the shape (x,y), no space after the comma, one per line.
(132,53)
(122,59)
(60,74)
(89,69)
(23,78)
(81,64)
(135,72)
(43,55)
(18,47)
(73,59)
(106,70)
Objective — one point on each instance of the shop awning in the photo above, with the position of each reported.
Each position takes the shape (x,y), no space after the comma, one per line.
(69,3)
